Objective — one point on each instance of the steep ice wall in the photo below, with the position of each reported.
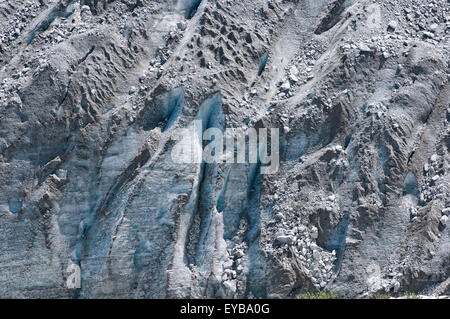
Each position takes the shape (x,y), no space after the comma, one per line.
(92,94)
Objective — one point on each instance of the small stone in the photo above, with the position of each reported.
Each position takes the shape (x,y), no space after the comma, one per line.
(227,264)
(314,232)
(285,239)
(181,26)
(364,48)
(446,211)
(239,269)
(293,70)
(433,27)
(293,78)
(230,286)
(224,277)
(279,216)
(285,86)
(316,254)
(239,254)
(427,34)
(392,25)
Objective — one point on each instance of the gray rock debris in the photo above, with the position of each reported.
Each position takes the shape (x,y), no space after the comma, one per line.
(91,93)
